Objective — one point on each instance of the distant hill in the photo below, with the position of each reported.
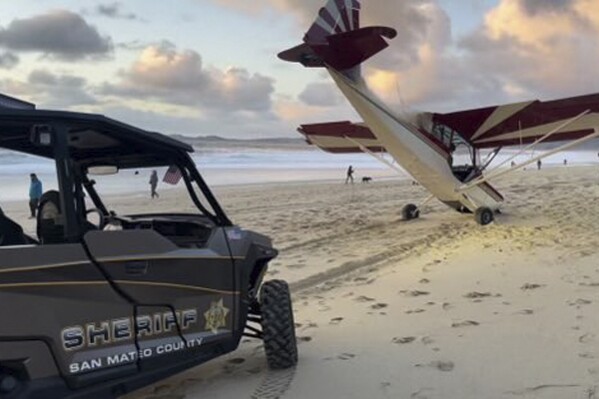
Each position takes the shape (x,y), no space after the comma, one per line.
(209,142)
(299,144)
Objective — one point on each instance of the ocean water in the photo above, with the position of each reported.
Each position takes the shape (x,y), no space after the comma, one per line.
(239,167)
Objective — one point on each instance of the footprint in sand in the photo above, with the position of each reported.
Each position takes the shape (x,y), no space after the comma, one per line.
(404,340)
(478,295)
(336,320)
(304,339)
(364,299)
(530,287)
(346,356)
(424,281)
(415,311)
(310,325)
(414,293)
(427,341)
(525,312)
(379,306)
(421,394)
(580,302)
(593,371)
(467,323)
(447,306)
(586,338)
(445,366)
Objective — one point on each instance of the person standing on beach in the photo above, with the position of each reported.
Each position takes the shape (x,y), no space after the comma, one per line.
(539,164)
(35,193)
(154,184)
(350,175)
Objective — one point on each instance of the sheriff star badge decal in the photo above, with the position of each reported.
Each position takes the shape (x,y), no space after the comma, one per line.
(216,316)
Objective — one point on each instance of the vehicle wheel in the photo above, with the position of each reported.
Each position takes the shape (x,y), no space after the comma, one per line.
(410,212)
(484,216)
(278,328)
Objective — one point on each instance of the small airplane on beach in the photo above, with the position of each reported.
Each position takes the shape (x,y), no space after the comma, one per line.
(424,145)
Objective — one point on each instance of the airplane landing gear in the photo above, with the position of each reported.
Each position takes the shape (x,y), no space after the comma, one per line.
(410,212)
(484,216)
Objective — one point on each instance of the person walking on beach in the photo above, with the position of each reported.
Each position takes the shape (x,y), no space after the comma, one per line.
(35,193)
(154,184)
(350,175)
(539,164)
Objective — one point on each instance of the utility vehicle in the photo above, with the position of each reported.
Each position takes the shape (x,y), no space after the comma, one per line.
(95,304)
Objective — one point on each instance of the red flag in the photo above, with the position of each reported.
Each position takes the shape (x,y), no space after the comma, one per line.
(173,175)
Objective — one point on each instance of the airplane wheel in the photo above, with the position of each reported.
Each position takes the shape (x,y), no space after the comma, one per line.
(484,216)
(410,212)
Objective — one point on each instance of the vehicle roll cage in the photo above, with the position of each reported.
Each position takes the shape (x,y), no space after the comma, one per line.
(77,141)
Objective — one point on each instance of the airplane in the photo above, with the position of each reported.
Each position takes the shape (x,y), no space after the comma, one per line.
(424,145)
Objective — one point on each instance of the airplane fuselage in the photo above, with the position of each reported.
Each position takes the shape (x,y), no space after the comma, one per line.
(424,160)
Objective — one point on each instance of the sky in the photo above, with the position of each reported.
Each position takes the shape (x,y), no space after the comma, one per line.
(209,67)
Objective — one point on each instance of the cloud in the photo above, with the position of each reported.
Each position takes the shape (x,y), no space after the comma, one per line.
(61,34)
(8,60)
(114,11)
(164,73)
(321,95)
(523,49)
(538,50)
(415,20)
(534,7)
(51,90)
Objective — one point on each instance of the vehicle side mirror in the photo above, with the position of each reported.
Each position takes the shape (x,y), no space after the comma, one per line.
(42,135)
(102,170)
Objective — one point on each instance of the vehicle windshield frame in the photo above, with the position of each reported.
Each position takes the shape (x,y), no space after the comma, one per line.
(79,141)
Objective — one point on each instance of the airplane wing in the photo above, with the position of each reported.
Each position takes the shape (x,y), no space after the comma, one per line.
(341,137)
(523,123)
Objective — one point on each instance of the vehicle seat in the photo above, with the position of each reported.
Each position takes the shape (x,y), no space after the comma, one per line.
(11,233)
(50,229)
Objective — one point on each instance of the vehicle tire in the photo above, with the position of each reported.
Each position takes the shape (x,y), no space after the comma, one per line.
(278,327)
(410,212)
(484,216)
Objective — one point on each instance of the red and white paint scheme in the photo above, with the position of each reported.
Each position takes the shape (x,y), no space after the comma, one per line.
(423,145)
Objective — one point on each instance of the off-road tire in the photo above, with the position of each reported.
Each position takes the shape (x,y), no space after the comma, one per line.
(278,327)
(484,216)
(410,212)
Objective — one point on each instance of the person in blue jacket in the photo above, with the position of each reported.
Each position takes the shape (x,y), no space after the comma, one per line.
(35,193)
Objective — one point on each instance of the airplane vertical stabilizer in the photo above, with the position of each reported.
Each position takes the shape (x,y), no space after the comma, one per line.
(336,40)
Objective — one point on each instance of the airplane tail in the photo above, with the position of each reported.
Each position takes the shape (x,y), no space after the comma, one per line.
(336,41)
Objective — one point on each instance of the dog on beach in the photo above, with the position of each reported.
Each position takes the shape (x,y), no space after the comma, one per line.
(366,179)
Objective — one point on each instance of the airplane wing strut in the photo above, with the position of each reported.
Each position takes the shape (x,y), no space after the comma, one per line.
(540,140)
(500,173)
(379,158)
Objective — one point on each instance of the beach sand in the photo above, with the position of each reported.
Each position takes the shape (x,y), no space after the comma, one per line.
(434,308)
